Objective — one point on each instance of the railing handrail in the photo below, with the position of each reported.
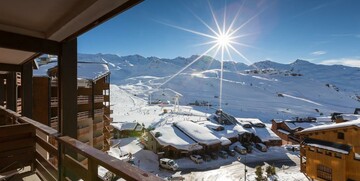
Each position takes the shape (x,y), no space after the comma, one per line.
(99,158)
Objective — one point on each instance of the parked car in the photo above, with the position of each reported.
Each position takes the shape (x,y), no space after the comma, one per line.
(196,158)
(231,152)
(206,157)
(214,156)
(248,147)
(223,154)
(240,149)
(173,178)
(168,164)
(261,147)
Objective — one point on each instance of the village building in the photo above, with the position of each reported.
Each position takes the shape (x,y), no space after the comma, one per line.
(127,129)
(168,141)
(93,101)
(287,129)
(201,135)
(331,152)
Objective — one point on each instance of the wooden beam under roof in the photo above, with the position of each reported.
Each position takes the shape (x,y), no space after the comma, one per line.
(10,67)
(27,43)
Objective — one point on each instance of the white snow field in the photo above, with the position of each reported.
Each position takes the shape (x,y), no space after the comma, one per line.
(129,107)
(264,90)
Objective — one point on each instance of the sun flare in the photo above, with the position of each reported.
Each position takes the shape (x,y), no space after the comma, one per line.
(223,39)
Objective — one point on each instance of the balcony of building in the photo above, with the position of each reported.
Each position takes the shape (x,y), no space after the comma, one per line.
(25,143)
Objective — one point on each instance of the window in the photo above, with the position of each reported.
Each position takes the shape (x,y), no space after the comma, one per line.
(341,135)
(311,149)
(328,153)
(319,150)
(324,172)
(338,155)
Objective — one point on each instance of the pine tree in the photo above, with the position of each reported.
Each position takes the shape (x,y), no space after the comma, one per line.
(259,173)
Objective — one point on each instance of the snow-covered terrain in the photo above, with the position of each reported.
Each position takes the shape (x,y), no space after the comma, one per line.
(128,107)
(264,90)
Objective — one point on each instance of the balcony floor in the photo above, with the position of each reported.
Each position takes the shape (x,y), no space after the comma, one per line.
(23,175)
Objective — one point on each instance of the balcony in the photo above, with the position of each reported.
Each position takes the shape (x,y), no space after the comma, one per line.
(98,98)
(18,140)
(98,126)
(99,112)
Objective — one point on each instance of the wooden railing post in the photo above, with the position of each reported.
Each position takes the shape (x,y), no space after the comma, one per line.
(92,170)
(61,156)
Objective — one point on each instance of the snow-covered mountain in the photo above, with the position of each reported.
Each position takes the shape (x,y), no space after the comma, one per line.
(264,89)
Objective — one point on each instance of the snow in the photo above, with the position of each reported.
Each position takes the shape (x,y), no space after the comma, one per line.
(126,106)
(350,117)
(298,124)
(265,134)
(124,125)
(333,126)
(328,148)
(170,135)
(199,133)
(86,70)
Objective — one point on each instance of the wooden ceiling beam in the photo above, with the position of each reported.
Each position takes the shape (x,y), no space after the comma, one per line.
(10,67)
(27,43)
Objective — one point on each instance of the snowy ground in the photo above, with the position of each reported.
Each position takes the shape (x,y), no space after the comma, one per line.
(128,108)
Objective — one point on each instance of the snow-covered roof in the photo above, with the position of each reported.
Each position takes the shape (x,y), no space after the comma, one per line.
(304,125)
(86,70)
(284,131)
(43,69)
(170,135)
(333,126)
(250,120)
(331,146)
(197,132)
(225,141)
(350,117)
(324,119)
(265,134)
(123,126)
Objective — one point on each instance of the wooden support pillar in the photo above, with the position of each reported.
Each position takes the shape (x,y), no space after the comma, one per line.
(2,92)
(11,91)
(67,88)
(27,89)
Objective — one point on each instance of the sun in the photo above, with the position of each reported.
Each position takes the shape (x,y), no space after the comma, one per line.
(223,40)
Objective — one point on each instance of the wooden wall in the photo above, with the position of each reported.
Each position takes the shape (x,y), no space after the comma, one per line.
(41,103)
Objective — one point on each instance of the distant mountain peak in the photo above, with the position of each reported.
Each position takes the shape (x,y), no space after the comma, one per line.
(299,61)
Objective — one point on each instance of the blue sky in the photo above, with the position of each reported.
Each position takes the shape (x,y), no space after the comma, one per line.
(320,31)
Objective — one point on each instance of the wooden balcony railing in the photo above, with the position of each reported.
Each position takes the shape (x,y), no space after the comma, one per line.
(98,98)
(98,126)
(25,142)
(99,112)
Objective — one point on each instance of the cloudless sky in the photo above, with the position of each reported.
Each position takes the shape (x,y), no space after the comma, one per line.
(320,31)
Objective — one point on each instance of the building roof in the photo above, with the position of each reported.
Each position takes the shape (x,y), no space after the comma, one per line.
(86,70)
(170,135)
(331,146)
(197,132)
(124,126)
(45,24)
(332,126)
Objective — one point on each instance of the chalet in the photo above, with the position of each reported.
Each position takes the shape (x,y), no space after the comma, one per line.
(127,129)
(331,152)
(169,141)
(29,29)
(286,129)
(93,101)
(200,135)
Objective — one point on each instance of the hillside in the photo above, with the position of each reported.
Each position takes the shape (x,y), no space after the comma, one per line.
(265,89)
